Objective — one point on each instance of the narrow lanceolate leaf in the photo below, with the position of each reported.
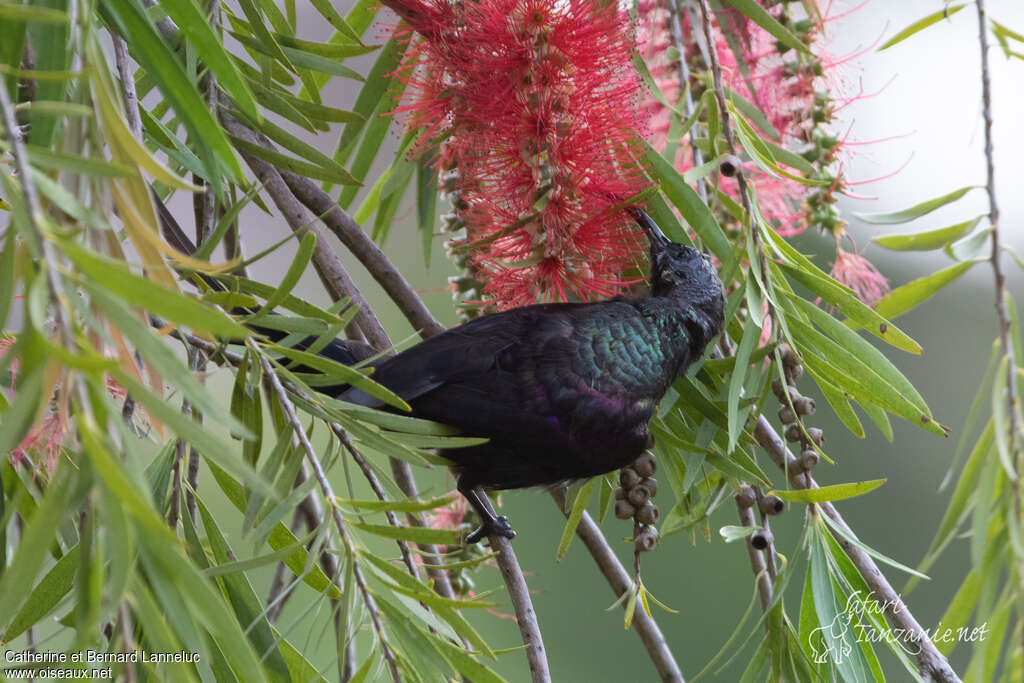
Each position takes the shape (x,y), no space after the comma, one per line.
(50,590)
(689,204)
(757,14)
(751,333)
(826,493)
(291,276)
(414,534)
(902,299)
(179,308)
(209,47)
(927,240)
(579,506)
(915,211)
(969,247)
(857,345)
(847,302)
(398,505)
(922,24)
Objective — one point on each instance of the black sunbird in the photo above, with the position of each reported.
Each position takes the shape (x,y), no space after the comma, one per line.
(561,391)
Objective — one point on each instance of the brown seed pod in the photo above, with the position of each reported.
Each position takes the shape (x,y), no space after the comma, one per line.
(809,459)
(648,514)
(804,406)
(789,357)
(794,433)
(645,465)
(646,540)
(730,165)
(638,495)
(817,436)
(624,509)
(794,373)
(620,493)
(771,505)
(779,390)
(628,478)
(746,497)
(761,539)
(786,415)
(651,484)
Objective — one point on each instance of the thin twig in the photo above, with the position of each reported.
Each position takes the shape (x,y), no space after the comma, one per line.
(757,561)
(730,141)
(1016,455)
(131,99)
(930,661)
(378,490)
(327,492)
(368,253)
(621,582)
(676,29)
(328,266)
(519,594)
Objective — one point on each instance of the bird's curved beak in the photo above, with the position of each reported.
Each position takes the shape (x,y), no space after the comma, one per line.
(654,233)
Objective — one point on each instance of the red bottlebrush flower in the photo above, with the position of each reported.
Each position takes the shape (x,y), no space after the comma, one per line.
(860,275)
(535,101)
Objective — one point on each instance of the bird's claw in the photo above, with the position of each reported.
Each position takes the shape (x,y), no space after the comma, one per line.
(498,526)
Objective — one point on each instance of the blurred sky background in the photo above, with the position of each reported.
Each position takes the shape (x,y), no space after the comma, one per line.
(934,101)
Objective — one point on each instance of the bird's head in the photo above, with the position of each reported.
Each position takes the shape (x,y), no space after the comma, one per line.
(682,272)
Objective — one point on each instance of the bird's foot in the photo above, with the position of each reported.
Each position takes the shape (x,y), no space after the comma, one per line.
(496,526)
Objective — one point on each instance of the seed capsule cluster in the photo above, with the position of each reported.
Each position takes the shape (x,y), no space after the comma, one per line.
(795,407)
(637,486)
(769,506)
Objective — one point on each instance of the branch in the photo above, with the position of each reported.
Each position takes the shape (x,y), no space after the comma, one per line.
(676,29)
(1016,455)
(757,561)
(621,582)
(299,434)
(369,254)
(930,661)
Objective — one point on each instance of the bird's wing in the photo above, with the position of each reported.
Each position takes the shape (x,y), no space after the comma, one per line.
(469,353)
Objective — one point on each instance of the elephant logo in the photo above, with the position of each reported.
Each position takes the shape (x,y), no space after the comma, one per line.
(831,641)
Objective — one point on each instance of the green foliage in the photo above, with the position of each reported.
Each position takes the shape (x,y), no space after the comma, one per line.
(121,550)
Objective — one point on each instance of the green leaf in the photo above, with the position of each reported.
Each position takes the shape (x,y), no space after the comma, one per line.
(689,203)
(146,294)
(922,24)
(838,530)
(579,506)
(927,240)
(757,14)
(833,492)
(414,534)
(155,56)
(909,296)
(915,211)
(333,174)
(751,335)
(50,590)
(398,505)
(732,532)
(969,247)
(197,32)
(847,302)
(17,580)
(865,352)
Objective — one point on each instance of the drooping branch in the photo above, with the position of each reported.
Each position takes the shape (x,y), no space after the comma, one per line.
(621,582)
(299,436)
(930,661)
(1013,438)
